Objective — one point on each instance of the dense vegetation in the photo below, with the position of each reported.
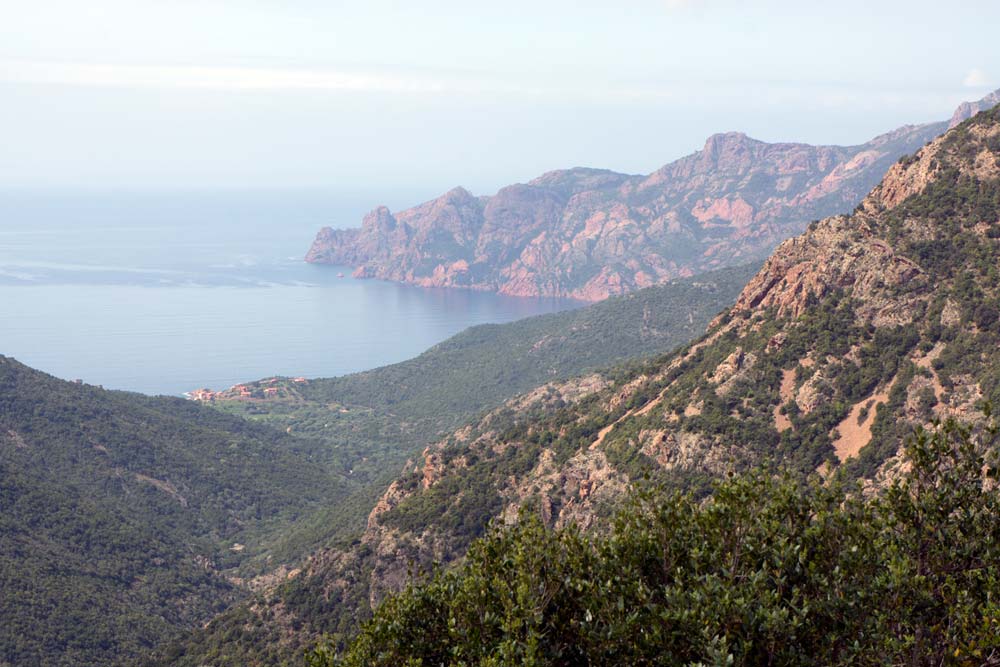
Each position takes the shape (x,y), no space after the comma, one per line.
(927,343)
(485,365)
(134,505)
(766,571)
(830,345)
(742,418)
(119,512)
(371,422)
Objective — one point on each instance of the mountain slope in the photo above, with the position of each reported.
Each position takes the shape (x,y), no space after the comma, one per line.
(487,364)
(967,110)
(119,513)
(371,422)
(763,570)
(588,234)
(852,334)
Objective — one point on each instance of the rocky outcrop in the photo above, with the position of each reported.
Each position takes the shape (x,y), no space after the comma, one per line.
(803,270)
(856,332)
(389,554)
(967,110)
(824,309)
(588,233)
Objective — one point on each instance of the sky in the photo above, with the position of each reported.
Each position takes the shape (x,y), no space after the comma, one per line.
(424,96)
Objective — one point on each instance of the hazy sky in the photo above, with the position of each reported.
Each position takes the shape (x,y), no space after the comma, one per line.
(426,95)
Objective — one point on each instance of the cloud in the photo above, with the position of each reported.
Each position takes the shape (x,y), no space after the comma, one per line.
(242,78)
(976,78)
(439,82)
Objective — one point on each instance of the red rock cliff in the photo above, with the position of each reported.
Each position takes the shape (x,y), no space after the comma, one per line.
(589,234)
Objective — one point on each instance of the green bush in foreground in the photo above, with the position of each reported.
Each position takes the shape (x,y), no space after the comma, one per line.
(767,571)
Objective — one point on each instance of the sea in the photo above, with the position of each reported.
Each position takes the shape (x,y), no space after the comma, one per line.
(167,292)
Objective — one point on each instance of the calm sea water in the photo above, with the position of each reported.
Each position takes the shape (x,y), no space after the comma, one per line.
(164,293)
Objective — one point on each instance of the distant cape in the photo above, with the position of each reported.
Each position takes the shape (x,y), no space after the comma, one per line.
(591,233)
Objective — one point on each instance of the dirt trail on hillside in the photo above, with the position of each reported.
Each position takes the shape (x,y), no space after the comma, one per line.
(603,433)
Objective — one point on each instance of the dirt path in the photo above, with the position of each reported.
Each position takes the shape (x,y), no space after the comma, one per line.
(603,433)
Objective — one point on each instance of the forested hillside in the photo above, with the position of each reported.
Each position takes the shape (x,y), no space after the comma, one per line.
(851,336)
(120,513)
(128,518)
(487,364)
(372,422)
(765,571)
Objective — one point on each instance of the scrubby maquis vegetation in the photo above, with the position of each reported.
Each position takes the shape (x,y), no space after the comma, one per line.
(485,365)
(119,513)
(768,570)
(835,351)
(371,422)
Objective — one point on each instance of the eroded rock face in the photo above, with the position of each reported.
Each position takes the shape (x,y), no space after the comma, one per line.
(838,253)
(967,110)
(570,451)
(589,234)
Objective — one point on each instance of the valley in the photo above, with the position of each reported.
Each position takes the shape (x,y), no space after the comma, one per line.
(858,333)
(768,437)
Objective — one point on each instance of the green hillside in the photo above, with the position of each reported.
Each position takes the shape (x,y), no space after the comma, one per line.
(120,512)
(125,518)
(766,571)
(372,422)
(852,336)
(485,365)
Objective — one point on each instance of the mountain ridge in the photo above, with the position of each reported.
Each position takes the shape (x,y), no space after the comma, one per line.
(655,415)
(854,333)
(589,233)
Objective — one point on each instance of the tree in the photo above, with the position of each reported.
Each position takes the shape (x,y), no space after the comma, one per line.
(769,570)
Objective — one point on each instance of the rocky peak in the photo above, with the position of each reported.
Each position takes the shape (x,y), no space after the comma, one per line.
(379,219)
(837,253)
(728,151)
(568,182)
(967,110)
(559,177)
(724,142)
(459,195)
(589,233)
(973,156)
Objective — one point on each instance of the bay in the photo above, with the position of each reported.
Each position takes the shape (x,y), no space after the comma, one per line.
(168,292)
